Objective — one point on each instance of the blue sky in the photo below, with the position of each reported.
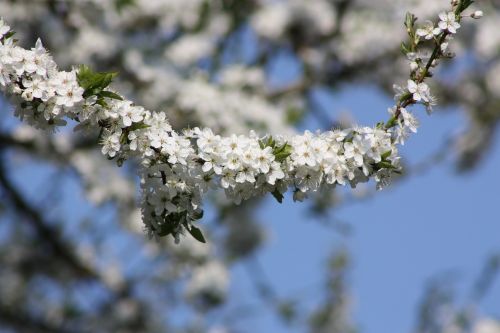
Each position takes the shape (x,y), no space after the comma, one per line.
(425,226)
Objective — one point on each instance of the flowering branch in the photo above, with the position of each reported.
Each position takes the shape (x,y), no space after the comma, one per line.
(179,168)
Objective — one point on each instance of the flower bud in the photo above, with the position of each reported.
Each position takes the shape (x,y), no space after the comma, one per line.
(477,14)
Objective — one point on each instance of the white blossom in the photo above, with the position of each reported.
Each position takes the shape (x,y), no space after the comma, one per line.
(428,31)
(4,29)
(420,91)
(448,22)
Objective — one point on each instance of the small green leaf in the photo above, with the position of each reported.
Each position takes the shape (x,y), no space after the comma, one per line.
(278,196)
(386,165)
(386,155)
(136,126)
(110,94)
(197,234)
(123,137)
(282,152)
(8,35)
(102,102)
(463,5)
(92,82)
(404,48)
(410,20)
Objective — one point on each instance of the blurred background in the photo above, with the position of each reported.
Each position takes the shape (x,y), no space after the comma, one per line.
(422,256)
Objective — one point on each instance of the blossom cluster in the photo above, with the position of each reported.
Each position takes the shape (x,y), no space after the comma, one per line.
(179,168)
(42,91)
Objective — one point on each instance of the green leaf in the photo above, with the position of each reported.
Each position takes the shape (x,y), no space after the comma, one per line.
(386,155)
(463,5)
(278,196)
(110,94)
(410,20)
(282,152)
(136,126)
(124,137)
(386,165)
(102,102)
(8,35)
(197,234)
(404,48)
(92,82)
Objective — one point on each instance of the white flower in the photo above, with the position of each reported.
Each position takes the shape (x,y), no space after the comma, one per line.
(157,121)
(263,159)
(134,140)
(420,91)
(22,61)
(302,153)
(233,161)
(448,22)
(409,120)
(428,31)
(356,150)
(308,179)
(41,59)
(275,173)
(70,95)
(130,114)
(161,201)
(207,140)
(111,144)
(335,171)
(158,138)
(246,174)
(4,29)
(33,88)
(227,178)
